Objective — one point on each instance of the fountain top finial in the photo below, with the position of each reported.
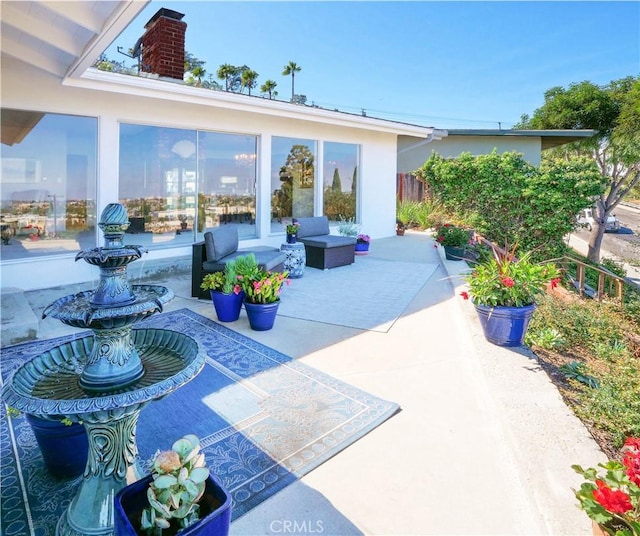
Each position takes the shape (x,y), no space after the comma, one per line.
(114,221)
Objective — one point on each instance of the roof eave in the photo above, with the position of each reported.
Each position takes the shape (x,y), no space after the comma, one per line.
(549,138)
(176,91)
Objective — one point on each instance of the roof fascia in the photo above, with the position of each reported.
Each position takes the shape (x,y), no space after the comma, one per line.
(171,91)
(583,133)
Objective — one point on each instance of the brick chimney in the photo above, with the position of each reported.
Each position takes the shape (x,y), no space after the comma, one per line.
(163,44)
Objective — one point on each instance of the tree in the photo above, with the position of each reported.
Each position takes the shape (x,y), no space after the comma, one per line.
(191,63)
(336,185)
(300,166)
(248,79)
(613,112)
(196,76)
(225,72)
(291,69)
(269,87)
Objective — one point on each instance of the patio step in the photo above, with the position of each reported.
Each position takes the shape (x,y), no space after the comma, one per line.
(19,322)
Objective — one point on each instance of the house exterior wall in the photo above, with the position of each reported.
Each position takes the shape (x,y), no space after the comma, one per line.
(452,146)
(31,89)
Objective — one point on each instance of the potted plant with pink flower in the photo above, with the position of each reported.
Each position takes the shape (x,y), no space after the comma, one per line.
(504,290)
(262,293)
(362,244)
(611,494)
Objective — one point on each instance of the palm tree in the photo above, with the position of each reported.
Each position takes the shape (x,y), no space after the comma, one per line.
(291,69)
(198,72)
(269,87)
(224,72)
(249,79)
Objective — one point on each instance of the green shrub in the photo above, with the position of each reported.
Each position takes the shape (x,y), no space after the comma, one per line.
(511,201)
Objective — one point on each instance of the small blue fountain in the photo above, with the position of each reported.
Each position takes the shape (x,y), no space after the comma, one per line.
(105,379)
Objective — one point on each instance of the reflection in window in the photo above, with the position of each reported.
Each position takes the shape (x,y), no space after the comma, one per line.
(48,183)
(340,181)
(157,183)
(292,180)
(227,169)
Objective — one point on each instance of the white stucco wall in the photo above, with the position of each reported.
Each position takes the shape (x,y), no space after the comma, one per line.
(30,89)
(453,145)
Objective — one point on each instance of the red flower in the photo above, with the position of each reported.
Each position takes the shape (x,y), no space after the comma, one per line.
(508,282)
(440,238)
(555,282)
(633,443)
(631,459)
(632,463)
(614,501)
(465,295)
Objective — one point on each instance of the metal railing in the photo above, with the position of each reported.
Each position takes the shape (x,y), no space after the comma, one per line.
(608,283)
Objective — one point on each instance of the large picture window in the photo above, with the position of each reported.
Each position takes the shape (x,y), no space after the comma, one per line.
(340,181)
(176,183)
(293,177)
(48,183)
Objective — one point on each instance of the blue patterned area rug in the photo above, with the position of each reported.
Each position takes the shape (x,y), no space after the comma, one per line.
(264,420)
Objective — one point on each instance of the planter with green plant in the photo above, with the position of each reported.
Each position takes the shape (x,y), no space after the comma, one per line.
(454,240)
(63,444)
(292,232)
(611,494)
(180,496)
(226,292)
(504,291)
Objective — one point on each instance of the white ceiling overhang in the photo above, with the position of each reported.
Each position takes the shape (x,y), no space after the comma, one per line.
(63,38)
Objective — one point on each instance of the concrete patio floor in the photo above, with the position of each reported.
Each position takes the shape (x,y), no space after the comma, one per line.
(483,445)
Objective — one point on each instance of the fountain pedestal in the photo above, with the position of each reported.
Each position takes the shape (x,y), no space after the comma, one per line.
(104,380)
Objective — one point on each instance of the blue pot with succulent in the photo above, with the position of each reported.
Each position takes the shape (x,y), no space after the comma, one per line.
(180,496)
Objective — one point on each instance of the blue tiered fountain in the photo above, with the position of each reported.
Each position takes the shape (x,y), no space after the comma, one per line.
(105,379)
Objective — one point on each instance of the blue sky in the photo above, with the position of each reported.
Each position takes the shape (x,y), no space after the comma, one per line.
(442,64)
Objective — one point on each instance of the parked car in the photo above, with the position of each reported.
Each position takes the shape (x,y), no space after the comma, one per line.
(585,219)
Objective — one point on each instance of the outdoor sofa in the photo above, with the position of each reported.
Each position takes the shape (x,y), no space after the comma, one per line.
(324,250)
(221,245)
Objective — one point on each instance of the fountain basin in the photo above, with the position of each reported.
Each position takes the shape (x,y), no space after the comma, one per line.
(76,309)
(48,385)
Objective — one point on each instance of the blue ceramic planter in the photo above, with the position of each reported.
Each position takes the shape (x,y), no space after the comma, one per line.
(227,306)
(261,315)
(505,326)
(362,248)
(215,510)
(64,447)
